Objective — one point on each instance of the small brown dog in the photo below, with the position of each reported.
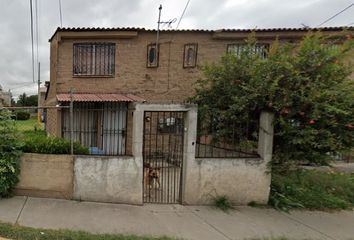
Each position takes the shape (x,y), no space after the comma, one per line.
(151,176)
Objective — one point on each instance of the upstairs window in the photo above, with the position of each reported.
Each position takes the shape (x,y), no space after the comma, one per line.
(152,55)
(94,59)
(190,55)
(237,49)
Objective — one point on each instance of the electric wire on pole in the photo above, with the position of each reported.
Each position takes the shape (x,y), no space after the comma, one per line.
(182,15)
(335,15)
(37,31)
(32,39)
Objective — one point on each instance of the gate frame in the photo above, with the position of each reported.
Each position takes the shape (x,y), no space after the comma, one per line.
(190,136)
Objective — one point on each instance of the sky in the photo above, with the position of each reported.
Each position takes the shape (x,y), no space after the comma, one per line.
(15,39)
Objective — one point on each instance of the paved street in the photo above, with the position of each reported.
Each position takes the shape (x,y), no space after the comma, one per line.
(188,222)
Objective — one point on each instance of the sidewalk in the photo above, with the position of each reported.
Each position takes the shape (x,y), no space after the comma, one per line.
(188,222)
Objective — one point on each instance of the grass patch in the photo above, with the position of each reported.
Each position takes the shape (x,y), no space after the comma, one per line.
(25,233)
(223,203)
(312,189)
(28,125)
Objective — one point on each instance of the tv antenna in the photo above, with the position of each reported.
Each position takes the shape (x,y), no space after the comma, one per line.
(163,23)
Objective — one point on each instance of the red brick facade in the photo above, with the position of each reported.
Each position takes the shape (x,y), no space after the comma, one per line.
(169,82)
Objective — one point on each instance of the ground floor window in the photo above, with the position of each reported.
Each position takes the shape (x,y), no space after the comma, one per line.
(102,127)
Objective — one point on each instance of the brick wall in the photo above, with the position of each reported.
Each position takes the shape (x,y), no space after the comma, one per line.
(169,82)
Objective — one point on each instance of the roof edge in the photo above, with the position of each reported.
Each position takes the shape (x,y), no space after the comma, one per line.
(235,30)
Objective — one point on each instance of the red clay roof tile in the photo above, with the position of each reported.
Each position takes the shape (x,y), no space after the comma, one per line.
(99,97)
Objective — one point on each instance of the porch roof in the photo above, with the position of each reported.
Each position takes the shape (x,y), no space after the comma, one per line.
(99,97)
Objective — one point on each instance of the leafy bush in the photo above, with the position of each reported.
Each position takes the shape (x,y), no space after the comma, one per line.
(21,115)
(308,86)
(9,154)
(312,189)
(223,203)
(39,142)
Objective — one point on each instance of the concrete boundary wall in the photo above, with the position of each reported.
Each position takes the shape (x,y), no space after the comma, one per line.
(46,175)
(119,179)
(108,179)
(241,180)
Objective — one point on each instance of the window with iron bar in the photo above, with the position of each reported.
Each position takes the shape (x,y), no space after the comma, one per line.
(94,59)
(261,49)
(99,126)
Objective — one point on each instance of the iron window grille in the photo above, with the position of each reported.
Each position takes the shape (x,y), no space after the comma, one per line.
(152,59)
(236,138)
(101,127)
(260,49)
(94,59)
(190,55)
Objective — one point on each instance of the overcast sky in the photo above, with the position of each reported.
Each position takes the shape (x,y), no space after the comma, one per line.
(15,39)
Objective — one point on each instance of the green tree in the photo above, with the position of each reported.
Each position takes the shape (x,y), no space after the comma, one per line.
(9,154)
(22,100)
(307,85)
(25,101)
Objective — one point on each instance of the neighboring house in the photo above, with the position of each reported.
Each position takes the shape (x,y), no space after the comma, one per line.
(42,96)
(42,91)
(108,68)
(5,97)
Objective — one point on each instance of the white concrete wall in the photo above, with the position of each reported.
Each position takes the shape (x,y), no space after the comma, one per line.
(108,179)
(240,180)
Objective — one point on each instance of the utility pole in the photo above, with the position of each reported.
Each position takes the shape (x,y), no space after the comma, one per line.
(39,120)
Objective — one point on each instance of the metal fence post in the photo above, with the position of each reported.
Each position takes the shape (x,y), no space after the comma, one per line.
(71,123)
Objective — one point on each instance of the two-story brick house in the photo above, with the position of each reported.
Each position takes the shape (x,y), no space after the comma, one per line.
(107,68)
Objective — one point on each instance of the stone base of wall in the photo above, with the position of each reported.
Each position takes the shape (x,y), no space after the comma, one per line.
(42,193)
(46,175)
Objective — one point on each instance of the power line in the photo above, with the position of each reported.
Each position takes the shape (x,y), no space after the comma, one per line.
(185,8)
(32,40)
(335,15)
(37,31)
(60,14)
(22,86)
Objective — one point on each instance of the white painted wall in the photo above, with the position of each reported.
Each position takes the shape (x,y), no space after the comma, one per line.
(108,179)
(240,180)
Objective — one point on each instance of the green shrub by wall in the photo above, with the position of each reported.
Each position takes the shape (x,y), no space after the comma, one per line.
(21,115)
(10,152)
(38,142)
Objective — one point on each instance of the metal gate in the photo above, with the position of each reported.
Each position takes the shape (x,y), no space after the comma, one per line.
(163,156)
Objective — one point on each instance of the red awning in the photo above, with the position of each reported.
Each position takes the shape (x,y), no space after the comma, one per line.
(99,97)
